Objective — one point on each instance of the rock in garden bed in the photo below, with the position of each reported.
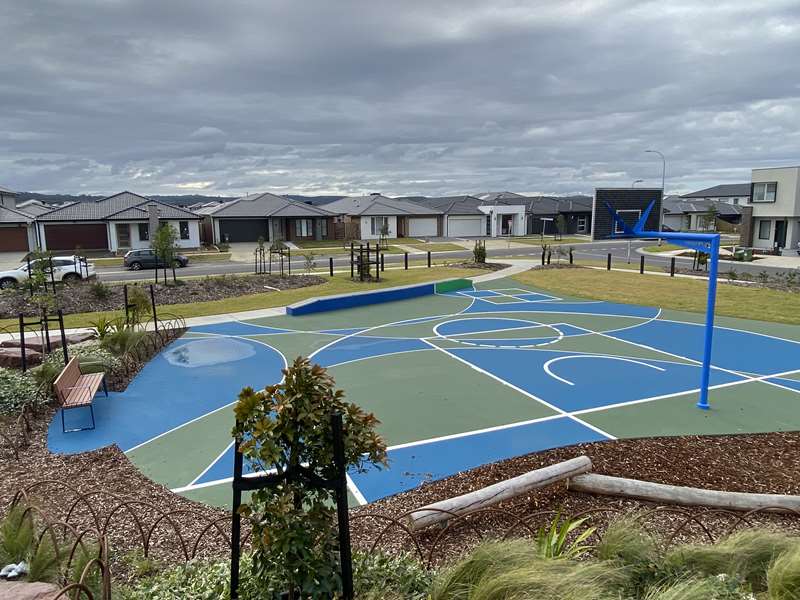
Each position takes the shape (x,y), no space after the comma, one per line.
(96,296)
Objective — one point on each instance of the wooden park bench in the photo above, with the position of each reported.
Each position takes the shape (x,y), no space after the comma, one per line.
(76,390)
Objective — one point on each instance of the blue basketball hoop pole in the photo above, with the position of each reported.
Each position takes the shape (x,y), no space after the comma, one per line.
(702,242)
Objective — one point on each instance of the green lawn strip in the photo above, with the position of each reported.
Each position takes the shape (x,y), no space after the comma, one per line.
(447,397)
(663,248)
(197,444)
(747,408)
(666,292)
(339,284)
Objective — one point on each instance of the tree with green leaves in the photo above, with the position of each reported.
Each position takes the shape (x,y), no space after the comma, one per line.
(561,225)
(165,244)
(280,429)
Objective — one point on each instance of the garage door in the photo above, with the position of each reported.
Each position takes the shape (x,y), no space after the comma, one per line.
(68,237)
(418,227)
(13,238)
(245,230)
(465,226)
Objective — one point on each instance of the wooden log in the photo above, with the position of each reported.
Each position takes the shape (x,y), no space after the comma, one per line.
(605,485)
(498,492)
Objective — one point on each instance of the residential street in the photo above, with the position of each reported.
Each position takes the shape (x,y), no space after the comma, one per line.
(590,250)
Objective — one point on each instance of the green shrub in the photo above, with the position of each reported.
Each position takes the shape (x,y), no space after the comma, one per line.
(783,576)
(17,389)
(512,569)
(99,290)
(16,535)
(627,542)
(42,561)
(709,588)
(562,538)
(745,555)
(375,576)
(121,341)
(479,252)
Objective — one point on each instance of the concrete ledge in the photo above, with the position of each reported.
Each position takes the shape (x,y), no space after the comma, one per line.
(366,298)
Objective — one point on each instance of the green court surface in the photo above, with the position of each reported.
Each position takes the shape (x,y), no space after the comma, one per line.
(458,379)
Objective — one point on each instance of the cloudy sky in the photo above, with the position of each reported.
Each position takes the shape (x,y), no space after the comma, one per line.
(404,97)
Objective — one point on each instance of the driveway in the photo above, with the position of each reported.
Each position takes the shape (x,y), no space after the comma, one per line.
(11,260)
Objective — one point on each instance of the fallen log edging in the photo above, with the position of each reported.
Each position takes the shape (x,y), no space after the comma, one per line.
(496,493)
(606,485)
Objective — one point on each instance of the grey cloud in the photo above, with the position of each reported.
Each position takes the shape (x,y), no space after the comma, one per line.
(416,97)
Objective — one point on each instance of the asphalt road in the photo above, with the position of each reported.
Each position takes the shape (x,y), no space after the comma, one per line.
(592,250)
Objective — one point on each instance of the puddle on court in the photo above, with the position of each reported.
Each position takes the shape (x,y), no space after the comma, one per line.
(208,352)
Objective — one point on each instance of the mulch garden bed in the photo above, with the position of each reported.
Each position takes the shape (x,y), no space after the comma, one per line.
(768,463)
(95,296)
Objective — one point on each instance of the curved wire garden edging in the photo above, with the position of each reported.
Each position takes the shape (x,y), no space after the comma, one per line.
(69,512)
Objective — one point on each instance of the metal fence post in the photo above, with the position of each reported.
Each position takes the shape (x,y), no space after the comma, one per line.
(429,259)
(330,264)
(405,260)
(608,265)
(383,263)
(641,265)
(153,302)
(672,267)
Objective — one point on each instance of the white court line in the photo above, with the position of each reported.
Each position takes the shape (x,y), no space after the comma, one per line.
(370,357)
(212,463)
(216,410)
(523,392)
(547,369)
(356,492)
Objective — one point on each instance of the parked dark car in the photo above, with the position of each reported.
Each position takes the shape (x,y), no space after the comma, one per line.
(146,259)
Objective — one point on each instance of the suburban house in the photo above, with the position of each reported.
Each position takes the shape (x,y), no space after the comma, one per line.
(730,193)
(266,216)
(543,214)
(771,218)
(367,216)
(116,223)
(17,232)
(463,216)
(696,215)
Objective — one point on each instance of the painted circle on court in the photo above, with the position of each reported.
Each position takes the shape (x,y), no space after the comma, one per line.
(511,332)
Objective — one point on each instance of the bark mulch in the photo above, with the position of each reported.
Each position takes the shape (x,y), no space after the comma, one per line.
(768,463)
(90,296)
(478,266)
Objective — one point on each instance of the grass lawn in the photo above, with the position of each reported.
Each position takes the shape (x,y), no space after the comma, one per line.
(666,292)
(663,248)
(339,284)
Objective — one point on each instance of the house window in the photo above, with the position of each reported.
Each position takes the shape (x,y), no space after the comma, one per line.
(303,228)
(735,201)
(764,229)
(144,232)
(630,217)
(378,224)
(183,226)
(765,192)
(581,224)
(323,228)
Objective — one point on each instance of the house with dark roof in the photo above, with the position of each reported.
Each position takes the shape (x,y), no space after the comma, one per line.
(17,232)
(117,223)
(266,216)
(729,193)
(542,213)
(365,217)
(680,214)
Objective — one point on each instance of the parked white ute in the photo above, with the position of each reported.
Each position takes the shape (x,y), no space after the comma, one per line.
(65,268)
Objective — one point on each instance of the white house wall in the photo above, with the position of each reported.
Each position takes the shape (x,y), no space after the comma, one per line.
(136,243)
(366,228)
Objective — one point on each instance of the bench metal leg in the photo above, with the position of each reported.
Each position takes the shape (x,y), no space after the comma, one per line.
(105,386)
(65,430)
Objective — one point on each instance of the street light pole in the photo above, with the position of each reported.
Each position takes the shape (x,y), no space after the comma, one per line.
(663,168)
